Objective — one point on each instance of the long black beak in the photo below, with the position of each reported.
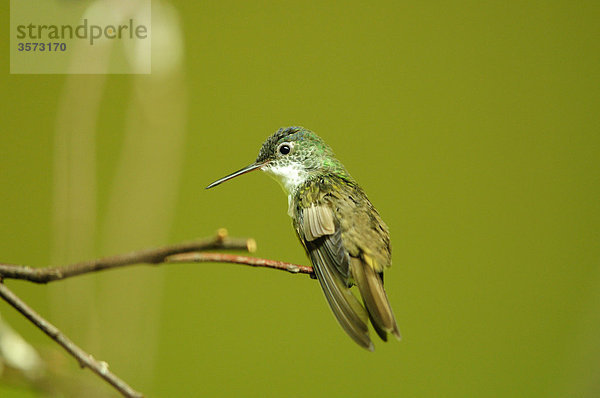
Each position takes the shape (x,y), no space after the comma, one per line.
(245,170)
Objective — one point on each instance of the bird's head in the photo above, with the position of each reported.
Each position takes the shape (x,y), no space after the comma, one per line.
(292,155)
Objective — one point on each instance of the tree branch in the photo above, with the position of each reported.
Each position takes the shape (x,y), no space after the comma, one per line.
(148,256)
(196,257)
(85,360)
(178,253)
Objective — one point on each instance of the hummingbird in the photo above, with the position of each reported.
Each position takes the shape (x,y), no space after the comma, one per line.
(342,233)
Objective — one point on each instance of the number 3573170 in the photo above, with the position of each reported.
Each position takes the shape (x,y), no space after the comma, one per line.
(49,46)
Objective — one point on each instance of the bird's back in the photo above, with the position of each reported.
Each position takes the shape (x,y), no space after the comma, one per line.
(348,243)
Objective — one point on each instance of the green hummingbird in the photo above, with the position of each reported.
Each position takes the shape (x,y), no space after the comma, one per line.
(342,233)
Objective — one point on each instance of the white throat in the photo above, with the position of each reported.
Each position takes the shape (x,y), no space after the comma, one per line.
(290,176)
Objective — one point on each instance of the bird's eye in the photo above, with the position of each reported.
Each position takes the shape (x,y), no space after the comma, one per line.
(284,149)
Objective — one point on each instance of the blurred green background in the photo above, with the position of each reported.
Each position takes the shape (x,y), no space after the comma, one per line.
(472,126)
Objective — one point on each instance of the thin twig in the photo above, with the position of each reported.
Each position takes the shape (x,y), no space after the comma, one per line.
(148,256)
(197,257)
(85,359)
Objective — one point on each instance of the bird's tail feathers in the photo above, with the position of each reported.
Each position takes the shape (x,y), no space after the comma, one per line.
(371,289)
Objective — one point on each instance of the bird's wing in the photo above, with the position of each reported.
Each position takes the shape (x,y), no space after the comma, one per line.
(365,239)
(323,241)
(318,221)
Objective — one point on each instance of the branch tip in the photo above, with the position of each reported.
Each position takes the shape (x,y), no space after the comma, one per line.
(222,234)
